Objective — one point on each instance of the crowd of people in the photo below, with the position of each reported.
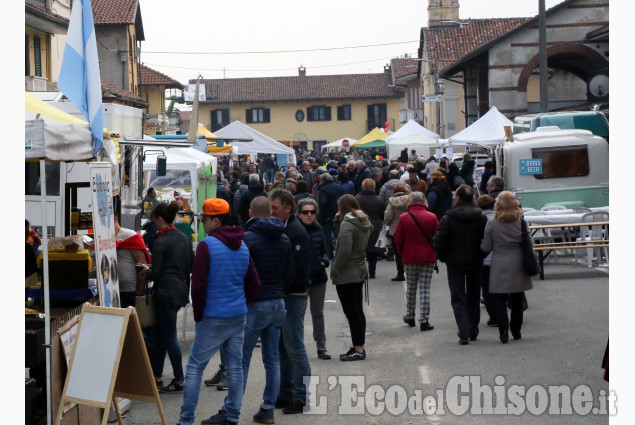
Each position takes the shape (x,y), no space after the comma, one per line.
(276,237)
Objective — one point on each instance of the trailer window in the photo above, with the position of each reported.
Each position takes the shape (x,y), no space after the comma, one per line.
(32,178)
(558,162)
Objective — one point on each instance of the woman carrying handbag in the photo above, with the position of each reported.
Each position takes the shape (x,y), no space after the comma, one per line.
(508,280)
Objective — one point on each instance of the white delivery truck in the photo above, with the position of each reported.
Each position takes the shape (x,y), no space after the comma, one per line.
(563,167)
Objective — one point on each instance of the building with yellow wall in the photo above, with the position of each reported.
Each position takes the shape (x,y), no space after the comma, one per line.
(152,87)
(46,24)
(308,111)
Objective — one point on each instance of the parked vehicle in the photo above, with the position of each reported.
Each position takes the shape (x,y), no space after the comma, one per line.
(574,168)
(594,121)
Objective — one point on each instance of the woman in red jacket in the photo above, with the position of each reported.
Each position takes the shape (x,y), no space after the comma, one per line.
(413,239)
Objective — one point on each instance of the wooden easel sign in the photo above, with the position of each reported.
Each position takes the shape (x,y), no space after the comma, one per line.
(110,360)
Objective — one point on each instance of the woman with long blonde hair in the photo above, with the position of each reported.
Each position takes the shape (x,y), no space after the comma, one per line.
(508,282)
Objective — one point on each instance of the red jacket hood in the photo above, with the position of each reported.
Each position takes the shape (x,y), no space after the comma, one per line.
(232,236)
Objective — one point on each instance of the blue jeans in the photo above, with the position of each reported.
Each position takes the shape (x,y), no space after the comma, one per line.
(166,341)
(294,362)
(269,175)
(210,334)
(264,320)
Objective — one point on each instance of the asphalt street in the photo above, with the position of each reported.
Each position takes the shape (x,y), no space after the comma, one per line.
(564,336)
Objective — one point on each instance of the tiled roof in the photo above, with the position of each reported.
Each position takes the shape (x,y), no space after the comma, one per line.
(111,91)
(403,67)
(114,11)
(446,45)
(39,8)
(150,77)
(300,88)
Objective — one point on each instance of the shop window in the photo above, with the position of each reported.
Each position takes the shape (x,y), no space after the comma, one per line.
(558,162)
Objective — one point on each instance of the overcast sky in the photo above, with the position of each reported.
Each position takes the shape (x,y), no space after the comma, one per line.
(241,26)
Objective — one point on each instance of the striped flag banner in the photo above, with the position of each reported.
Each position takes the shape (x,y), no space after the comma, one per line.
(79,78)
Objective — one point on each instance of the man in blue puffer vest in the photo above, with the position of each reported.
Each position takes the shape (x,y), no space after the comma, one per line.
(224,280)
(271,250)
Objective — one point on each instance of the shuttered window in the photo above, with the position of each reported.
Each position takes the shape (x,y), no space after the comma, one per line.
(27,64)
(258,115)
(344,113)
(377,116)
(38,56)
(318,113)
(220,118)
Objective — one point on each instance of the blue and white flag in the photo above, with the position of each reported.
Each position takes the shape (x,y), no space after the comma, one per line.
(79,76)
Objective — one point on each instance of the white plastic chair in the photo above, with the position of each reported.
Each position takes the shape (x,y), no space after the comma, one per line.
(594,233)
(581,210)
(553,208)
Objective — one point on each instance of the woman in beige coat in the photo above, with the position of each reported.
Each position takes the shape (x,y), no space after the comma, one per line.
(397,205)
(507,277)
(349,272)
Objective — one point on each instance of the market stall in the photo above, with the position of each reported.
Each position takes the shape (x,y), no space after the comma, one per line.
(487,130)
(338,144)
(186,168)
(52,135)
(260,143)
(412,136)
(375,139)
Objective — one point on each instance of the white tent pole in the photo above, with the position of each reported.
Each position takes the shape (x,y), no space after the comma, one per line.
(47,307)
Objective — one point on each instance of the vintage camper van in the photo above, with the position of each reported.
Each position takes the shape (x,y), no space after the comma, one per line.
(563,167)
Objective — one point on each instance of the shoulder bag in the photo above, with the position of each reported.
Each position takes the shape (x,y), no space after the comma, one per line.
(530,262)
(436,266)
(144,305)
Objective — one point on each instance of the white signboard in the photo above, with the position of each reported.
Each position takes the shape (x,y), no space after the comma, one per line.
(104,234)
(190,89)
(431,97)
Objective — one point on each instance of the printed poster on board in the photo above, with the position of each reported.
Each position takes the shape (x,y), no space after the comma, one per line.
(104,234)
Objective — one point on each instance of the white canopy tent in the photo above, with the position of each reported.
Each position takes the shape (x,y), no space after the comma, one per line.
(410,128)
(338,143)
(184,159)
(412,136)
(487,130)
(422,144)
(259,142)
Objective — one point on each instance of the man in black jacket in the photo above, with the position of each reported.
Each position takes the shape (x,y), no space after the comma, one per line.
(362,172)
(255,189)
(294,361)
(457,244)
(273,257)
(328,194)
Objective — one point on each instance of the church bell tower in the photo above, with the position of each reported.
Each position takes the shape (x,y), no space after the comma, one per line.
(442,10)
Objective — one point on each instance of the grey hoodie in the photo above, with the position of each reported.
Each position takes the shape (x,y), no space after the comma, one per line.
(349,262)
